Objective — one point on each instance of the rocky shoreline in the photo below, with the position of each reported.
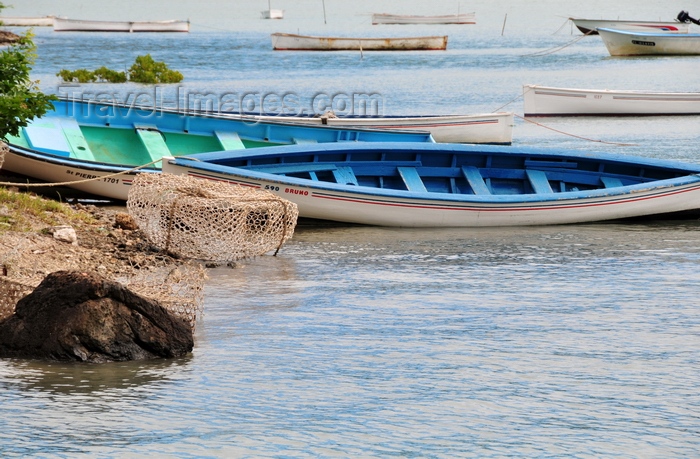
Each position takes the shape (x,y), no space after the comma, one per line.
(7,38)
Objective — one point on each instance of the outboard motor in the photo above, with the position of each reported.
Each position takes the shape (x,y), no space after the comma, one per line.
(683,16)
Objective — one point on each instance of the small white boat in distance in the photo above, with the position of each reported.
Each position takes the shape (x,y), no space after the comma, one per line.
(589,26)
(461,18)
(44,21)
(292,42)
(624,43)
(80,25)
(550,101)
(271,13)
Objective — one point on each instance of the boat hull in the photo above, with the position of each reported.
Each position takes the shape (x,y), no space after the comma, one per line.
(489,128)
(272,14)
(100,147)
(292,42)
(462,18)
(44,21)
(623,43)
(78,25)
(371,206)
(589,26)
(549,101)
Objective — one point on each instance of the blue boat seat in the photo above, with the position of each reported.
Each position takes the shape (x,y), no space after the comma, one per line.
(611,182)
(344,175)
(152,139)
(411,179)
(539,182)
(46,135)
(475,180)
(229,140)
(58,136)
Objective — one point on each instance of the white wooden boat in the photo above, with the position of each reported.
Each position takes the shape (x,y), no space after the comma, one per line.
(81,25)
(293,42)
(487,128)
(624,43)
(271,13)
(460,18)
(97,146)
(549,101)
(450,185)
(42,21)
(590,26)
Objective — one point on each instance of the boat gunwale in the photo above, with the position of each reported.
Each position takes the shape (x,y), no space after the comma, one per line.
(206,162)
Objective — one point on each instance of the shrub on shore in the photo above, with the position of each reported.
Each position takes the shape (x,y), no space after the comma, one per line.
(144,70)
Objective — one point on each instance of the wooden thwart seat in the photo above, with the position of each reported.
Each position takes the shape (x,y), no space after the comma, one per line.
(58,136)
(153,141)
(344,175)
(611,182)
(475,180)
(412,179)
(76,139)
(229,140)
(539,182)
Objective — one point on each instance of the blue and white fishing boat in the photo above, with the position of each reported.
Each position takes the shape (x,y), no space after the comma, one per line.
(453,185)
(95,146)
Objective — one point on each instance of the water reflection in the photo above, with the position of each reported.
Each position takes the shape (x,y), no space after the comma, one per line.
(75,378)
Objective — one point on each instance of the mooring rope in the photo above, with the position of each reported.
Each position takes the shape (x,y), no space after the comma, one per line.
(557,130)
(101,177)
(558,48)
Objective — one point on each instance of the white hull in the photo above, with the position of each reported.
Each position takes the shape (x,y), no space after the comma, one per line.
(292,42)
(115,187)
(78,25)
(462,18)
(589,26)
(363,206)
(272,14)
(549,101)
(489,128)
(45,21)
(622,43)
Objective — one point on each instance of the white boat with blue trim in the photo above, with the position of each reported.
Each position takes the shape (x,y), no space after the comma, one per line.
(630,43)
(453,185)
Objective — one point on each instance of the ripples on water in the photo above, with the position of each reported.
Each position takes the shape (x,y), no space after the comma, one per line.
(565,341)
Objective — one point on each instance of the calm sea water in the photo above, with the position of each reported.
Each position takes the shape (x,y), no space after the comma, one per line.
(571,341)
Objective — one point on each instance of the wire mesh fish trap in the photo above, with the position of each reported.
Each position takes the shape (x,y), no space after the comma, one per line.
(3,151)
(207,220)
(11,291)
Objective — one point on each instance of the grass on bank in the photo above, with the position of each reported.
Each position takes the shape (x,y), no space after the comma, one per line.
(25,212)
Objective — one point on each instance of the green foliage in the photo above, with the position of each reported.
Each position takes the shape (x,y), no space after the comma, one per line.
(77,76)
(144,70)
(20,98)
(112,76)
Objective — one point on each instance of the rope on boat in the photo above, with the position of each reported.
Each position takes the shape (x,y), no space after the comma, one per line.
(101,177)
(558,48)
(619,144)
(557,130)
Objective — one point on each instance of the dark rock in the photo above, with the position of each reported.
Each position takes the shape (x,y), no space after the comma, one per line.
(8,37)
(83,316)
